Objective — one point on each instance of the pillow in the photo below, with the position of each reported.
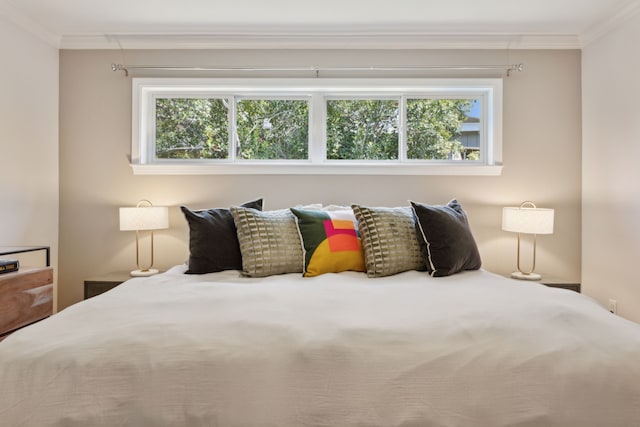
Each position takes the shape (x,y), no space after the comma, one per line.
(269,242)
(389,240)
(330,241)
(312,206)
(213,243)
(447,244)
(331,208)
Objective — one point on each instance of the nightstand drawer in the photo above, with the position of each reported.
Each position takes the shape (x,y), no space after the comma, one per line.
(571,286)
(26,296)
(101,284)
(91,289)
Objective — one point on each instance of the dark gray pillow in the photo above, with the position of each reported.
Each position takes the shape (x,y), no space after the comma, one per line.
(445,238)
(213,240)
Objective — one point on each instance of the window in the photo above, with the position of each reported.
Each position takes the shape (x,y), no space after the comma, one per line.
(272,129)
(362,129)
(191,128)
(341,126)
(444,129)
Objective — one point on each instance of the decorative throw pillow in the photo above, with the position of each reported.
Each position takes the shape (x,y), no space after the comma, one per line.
(447,244)
(331,208)
(330,241)
(311,206)
(389,240)
(213,242)
(269,242)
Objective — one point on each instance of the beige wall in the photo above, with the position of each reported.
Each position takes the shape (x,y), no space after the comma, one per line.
(28,142)
(542,157)
(611,174)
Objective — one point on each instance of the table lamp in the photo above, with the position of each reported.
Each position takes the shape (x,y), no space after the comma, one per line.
(527,219)
(144,217)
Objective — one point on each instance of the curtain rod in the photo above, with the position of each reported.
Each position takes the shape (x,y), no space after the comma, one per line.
(317,69)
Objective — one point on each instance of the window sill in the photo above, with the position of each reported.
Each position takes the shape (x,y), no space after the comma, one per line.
(313,169)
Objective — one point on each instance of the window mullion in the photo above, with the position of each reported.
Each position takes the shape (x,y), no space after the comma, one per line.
(402,129)
(233,128)
(317,129)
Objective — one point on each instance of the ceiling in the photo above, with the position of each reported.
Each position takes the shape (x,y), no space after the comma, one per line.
(327,23)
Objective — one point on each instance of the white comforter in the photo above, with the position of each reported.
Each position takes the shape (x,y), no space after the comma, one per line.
(474,349)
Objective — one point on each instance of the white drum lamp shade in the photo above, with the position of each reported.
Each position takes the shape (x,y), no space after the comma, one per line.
(528,220)
(144,218)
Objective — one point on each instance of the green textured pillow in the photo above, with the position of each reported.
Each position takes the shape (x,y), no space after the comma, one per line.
(269,242)
(447,244)
(389,240)
(330,241)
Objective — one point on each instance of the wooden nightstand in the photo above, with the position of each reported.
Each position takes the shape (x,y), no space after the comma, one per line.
(99,284)
(554,282)
(26,296)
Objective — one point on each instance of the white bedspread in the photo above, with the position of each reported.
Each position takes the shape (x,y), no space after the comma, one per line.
(474,349)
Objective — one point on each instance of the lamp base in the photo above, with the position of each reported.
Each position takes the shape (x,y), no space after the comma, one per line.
(525,276)
(144,273)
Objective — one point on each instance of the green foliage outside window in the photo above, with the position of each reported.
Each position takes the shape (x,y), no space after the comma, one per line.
(273,129)
(192,128)
(433,126)
(362,129)
(268,129)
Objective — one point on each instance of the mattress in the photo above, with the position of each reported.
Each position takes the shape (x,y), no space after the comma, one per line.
(472,349)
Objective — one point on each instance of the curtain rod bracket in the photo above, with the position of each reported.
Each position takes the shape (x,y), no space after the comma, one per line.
(515,67)
(120,67)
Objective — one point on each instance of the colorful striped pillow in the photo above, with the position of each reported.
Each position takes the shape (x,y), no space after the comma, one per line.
(330,241)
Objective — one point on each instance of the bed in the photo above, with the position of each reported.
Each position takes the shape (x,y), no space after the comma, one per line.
(373,317)
(218,349)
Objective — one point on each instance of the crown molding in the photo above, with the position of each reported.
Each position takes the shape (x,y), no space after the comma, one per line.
(604,26)
(320,40)
(28,25)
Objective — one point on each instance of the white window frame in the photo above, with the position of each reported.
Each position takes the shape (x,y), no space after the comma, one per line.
(146,90)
